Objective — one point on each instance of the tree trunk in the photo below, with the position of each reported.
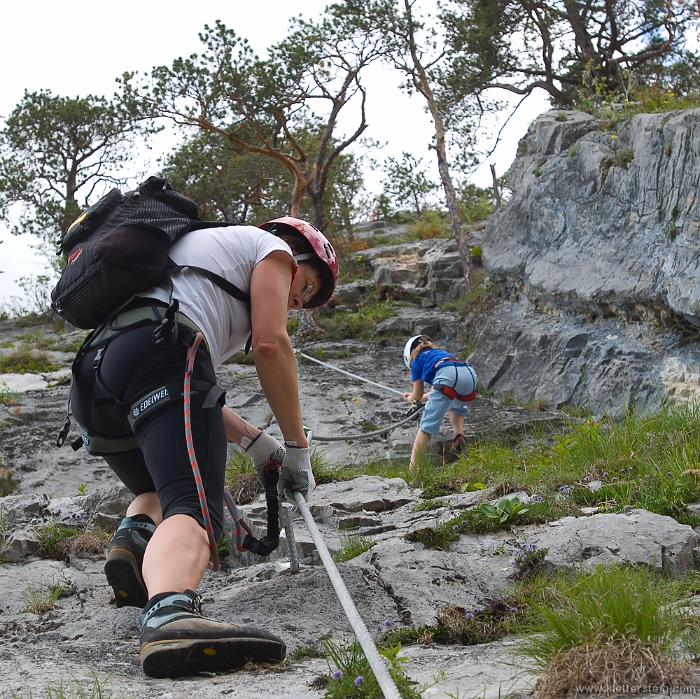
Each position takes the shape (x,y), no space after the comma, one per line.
(496,187)
(422,84)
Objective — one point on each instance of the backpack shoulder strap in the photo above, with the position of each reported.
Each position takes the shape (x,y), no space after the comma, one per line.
(230,288)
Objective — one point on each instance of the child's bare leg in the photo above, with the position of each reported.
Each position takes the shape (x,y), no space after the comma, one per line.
(420,444)
(457,422)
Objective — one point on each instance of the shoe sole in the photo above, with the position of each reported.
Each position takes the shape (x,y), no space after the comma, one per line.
(178,658)
(123,576)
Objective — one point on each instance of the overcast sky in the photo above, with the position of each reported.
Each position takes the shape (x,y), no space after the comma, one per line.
(78,47)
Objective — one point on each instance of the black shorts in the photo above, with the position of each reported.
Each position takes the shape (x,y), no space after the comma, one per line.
(131,372)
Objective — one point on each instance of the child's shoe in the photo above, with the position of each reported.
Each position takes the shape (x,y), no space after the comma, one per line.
(458,444)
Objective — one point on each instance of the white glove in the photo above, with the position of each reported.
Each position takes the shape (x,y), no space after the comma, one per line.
(296,474)
(263,449)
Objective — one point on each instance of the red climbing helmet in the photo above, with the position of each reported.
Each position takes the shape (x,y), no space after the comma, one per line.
(323,250)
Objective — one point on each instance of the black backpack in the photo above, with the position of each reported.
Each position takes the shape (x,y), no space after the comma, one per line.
(120,247)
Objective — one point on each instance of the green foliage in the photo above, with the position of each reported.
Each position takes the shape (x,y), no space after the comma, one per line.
(407,184)
(505,510)
(51,538)
(8,397)
(359,323)
(262,106)
(52,149)
(353,677)
(229,183)
(598,55)
(352,546)
(623,157)
(27,361)
(354,265)
(7,481)
(431,224)
(529,560)
(467,627)
(429,505)
(41,599)
(475,203)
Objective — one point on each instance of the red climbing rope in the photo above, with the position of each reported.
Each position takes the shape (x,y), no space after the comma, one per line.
(191,352)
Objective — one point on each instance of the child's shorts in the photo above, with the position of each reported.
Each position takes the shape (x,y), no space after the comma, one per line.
(438,403)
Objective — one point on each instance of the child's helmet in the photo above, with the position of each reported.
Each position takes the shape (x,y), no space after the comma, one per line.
(322,248)
(408,348)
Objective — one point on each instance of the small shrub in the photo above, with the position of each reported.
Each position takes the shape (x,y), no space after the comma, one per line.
(617,626)
(353,676)
(60,542)
(623,157)
(27,361)
(528,561)
(352,546)
(8,397)
(505,510)
(428,505)
(7,482)
(42,599)
(51,538)
(431,224)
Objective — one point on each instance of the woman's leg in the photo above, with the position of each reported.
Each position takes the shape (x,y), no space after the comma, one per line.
(178,538)
(146,504)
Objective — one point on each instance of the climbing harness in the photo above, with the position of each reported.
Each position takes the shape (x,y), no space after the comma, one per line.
(247,542)
(386,683)
(449,391)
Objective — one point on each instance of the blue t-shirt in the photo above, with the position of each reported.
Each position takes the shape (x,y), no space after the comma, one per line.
(422,367)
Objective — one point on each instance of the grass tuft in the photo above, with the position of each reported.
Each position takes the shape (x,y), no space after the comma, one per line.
(27,361)
(615,627)
(352,546)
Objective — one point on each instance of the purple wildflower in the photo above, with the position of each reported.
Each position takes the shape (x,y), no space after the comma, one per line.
(469,616)
(389,624)
(359,680)
(337,675)
(513,609)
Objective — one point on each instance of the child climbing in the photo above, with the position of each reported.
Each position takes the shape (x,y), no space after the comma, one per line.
(454,383)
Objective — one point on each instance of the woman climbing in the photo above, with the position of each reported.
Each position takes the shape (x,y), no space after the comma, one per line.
(127,396)
(454,383)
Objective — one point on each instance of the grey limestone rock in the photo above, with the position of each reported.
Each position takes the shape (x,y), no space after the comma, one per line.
(637,537)
(603,221)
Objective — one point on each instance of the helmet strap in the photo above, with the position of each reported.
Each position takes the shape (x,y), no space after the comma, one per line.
(304,256)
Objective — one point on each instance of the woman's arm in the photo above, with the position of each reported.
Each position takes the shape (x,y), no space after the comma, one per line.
(272,349)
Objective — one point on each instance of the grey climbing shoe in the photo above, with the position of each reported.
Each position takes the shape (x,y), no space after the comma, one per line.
(176,640)
(125,560)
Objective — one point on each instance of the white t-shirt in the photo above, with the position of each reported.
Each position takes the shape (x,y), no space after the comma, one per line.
(230,252)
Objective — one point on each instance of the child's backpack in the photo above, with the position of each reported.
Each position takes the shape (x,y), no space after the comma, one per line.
(120,247)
